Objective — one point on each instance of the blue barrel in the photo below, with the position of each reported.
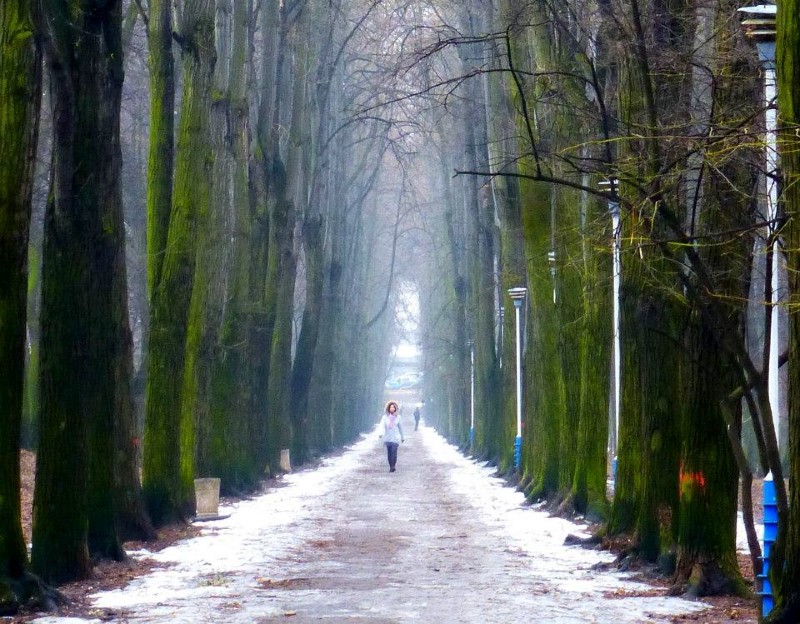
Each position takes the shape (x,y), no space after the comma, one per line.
(770,513)
(770,534)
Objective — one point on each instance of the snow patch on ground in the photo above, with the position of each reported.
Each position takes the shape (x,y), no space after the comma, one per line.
(215,577)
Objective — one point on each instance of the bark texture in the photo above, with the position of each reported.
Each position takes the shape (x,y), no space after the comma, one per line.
(20,89)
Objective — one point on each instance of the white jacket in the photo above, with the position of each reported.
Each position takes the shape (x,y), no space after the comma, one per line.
(392,432)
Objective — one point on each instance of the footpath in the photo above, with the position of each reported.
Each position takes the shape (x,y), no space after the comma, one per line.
(439,541)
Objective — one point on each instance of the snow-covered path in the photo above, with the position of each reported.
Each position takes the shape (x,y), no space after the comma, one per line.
(439,541)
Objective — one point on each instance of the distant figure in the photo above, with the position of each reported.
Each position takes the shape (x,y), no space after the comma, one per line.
(392,433)
(416,418)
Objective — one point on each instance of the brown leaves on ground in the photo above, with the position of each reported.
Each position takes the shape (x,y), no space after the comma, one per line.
(108,575)
(114,575)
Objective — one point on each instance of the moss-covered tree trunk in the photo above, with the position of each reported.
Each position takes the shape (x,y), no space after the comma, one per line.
(588,493)
(303,365)
(543,380)
(786,576)
(20,89)
(160,167)
(324,358)
(225,450)
(501,120)
(83,332)
(280,426)
(568,292)
(512,274)
(549,219)
(259,338)
(706,557)
(648,436)
(210,199)
(208,395)
(480,240)
(651,378)
(286,195)
(168,441)
(456,360)
(279,228)
(709,475)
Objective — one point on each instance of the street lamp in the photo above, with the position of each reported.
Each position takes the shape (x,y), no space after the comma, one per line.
(551,261)
(471,345)
(502,313)
(759,27)
(518,297)
(610,187)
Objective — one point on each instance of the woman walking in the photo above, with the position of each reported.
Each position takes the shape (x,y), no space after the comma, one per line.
(392,433)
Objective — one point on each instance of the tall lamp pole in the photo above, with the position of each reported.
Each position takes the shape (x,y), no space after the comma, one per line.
(502,314)
(759,26)
(471,345)
(610,187)
(518,297)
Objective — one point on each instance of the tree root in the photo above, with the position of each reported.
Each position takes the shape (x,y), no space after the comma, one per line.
(28,591)
(586,542)
(789,614)
(707,579)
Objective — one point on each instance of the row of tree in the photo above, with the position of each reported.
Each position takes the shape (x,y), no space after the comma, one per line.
(269,235)
(309,178)
(662,102)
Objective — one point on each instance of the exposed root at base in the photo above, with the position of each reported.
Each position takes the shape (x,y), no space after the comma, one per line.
(28,591)
(707,579)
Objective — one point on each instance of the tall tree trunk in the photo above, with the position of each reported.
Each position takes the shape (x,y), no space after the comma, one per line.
(588,493)
(228,444)
(83,278)
(20,92)
(261,178)
(160,167)
(205,398)
(303,365)
(292,90)
(168,439)
(545,391)
(708,478)
(210,200)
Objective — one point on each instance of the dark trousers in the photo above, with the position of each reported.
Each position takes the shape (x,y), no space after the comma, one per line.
(391,452)
(416,424)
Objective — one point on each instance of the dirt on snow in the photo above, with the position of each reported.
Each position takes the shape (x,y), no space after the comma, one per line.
(114,575)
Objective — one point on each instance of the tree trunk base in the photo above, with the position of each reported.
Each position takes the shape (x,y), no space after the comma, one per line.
(789,614)
(27,591)
(708,579)
(136,527)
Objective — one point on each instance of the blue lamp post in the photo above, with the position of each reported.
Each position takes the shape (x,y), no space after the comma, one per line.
(518,297)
